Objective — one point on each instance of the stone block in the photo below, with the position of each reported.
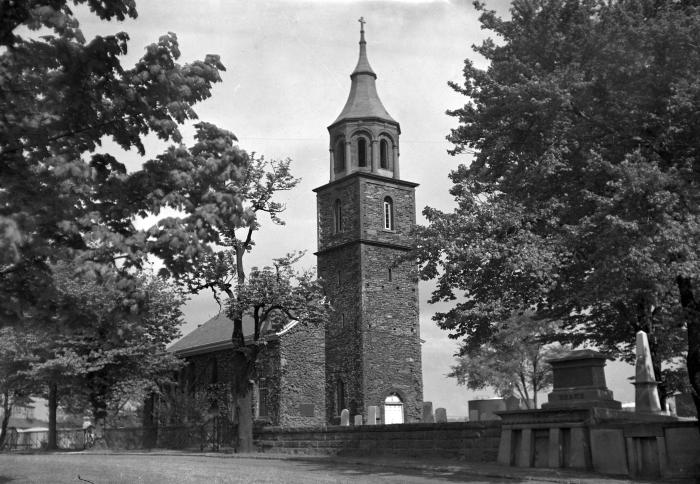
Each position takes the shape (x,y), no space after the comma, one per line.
(578,449)
(579,382)
(524,456)
(505,447)
(372,415)
(441,415)
(608,453)
(554,449)
(428,412)
(358,420)
(682,450)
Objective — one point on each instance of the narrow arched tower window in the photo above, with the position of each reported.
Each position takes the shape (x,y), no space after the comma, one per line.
(361,152)
(388,213)
(337,217)
(339,396)
(339,156)
(384,154)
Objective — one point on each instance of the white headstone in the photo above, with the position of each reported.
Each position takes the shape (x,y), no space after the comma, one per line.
(372,415)
(345,417)
(358,420)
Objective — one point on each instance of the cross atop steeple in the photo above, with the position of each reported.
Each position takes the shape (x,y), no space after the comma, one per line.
(362,29)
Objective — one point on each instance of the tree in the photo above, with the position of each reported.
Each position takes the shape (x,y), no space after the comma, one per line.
(263,293)
(109,354)
(514,362)
(582,201)
(16,358)
(60,96)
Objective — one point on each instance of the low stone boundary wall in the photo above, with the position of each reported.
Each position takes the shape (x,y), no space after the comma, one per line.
(646,449)
(468,441)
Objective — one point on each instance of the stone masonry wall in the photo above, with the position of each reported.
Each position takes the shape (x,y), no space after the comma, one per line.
(303,376)
(217,367)
(340,271)
(373,340)
(391,336)
(471,442)
(373,191)
(347,191)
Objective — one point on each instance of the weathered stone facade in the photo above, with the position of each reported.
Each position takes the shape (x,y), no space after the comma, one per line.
(289,377)
(365,215)
(302,357)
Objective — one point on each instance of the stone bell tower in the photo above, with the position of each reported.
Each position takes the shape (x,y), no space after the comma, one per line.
(365,214)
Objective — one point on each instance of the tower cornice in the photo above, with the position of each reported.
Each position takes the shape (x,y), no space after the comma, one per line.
(365,174)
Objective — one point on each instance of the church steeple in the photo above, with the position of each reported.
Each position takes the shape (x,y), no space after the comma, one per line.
(363,101)
(365,217)
(363,66)
(364,137)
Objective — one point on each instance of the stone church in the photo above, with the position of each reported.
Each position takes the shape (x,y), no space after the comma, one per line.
(370,353)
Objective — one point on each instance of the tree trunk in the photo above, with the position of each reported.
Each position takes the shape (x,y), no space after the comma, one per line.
(99,413)
(244,411)
(53,405)
(691,313)
(243,398)
(150,424)
(6,413)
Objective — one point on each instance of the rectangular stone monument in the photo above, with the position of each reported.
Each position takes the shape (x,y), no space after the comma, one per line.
(372,414)
(345,417)
(358,420)
(440,415)
(579,382)
(558,435)
(428,412)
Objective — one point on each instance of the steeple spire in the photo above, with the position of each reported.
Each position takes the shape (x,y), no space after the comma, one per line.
(363,66)
(363,101)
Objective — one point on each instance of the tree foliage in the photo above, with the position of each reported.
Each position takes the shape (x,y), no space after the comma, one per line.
(16,359)
(60,96)
(273,295)
(513,362)
(582,201)
(109,355)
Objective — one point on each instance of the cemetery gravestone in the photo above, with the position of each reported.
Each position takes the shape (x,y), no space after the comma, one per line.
(428,412)
(372,415)
(646,394)
(440,415)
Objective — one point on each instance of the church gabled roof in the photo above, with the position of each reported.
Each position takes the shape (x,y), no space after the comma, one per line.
(215,335)
(363,101)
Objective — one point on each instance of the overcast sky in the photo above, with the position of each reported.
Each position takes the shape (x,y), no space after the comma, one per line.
(288,65)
